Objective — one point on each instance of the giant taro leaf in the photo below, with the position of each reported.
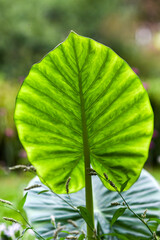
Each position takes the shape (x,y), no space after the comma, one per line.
(144,194)
(83,98)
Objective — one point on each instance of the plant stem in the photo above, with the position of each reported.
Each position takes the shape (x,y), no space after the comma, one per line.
(86,151)
(88,180)
(135,213)
(89,197)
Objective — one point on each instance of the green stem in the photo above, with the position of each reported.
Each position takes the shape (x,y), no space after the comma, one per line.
(89,197)
(135,213)
(86,151)
(88,180)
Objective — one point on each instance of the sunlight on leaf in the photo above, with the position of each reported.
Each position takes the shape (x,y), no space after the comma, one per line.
(82,97)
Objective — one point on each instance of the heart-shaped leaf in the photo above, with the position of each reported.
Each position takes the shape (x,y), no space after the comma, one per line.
(83,101)
(145,193)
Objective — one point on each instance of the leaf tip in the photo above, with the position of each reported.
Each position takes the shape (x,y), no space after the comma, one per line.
(73,32)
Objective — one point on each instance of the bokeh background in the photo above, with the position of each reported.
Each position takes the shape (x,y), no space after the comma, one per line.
(31,28)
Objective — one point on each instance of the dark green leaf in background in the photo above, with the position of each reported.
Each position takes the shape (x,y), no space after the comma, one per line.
(83,88)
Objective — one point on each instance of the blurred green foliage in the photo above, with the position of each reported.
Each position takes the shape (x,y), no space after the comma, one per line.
(154,93)
(12,182)
(10,147)
(29,29)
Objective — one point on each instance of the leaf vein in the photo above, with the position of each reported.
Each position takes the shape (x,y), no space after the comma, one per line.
(65,57)
(129,106)
(111,136)
(86,59)
(101,68)
(51,143)
(65,109)
(114,100)
(76,163)
(66,80)
(56,87)
(49,115)
(104,91)
(49,130)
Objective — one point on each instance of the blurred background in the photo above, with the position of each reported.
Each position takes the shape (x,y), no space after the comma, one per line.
(29,29)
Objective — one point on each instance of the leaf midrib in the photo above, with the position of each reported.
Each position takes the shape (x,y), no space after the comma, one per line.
(86,148)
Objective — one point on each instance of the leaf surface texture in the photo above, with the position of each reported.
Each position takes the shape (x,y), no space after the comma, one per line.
(83,98)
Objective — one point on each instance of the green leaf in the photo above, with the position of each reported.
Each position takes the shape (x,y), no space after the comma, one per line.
(124,185)
(65,232)
(23,233)
(81,237)
(119,212)
(154,219)
(145,193)
(44,191)
(86,216)
(23,200)
(129,237)
(83,98)
(119,236)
